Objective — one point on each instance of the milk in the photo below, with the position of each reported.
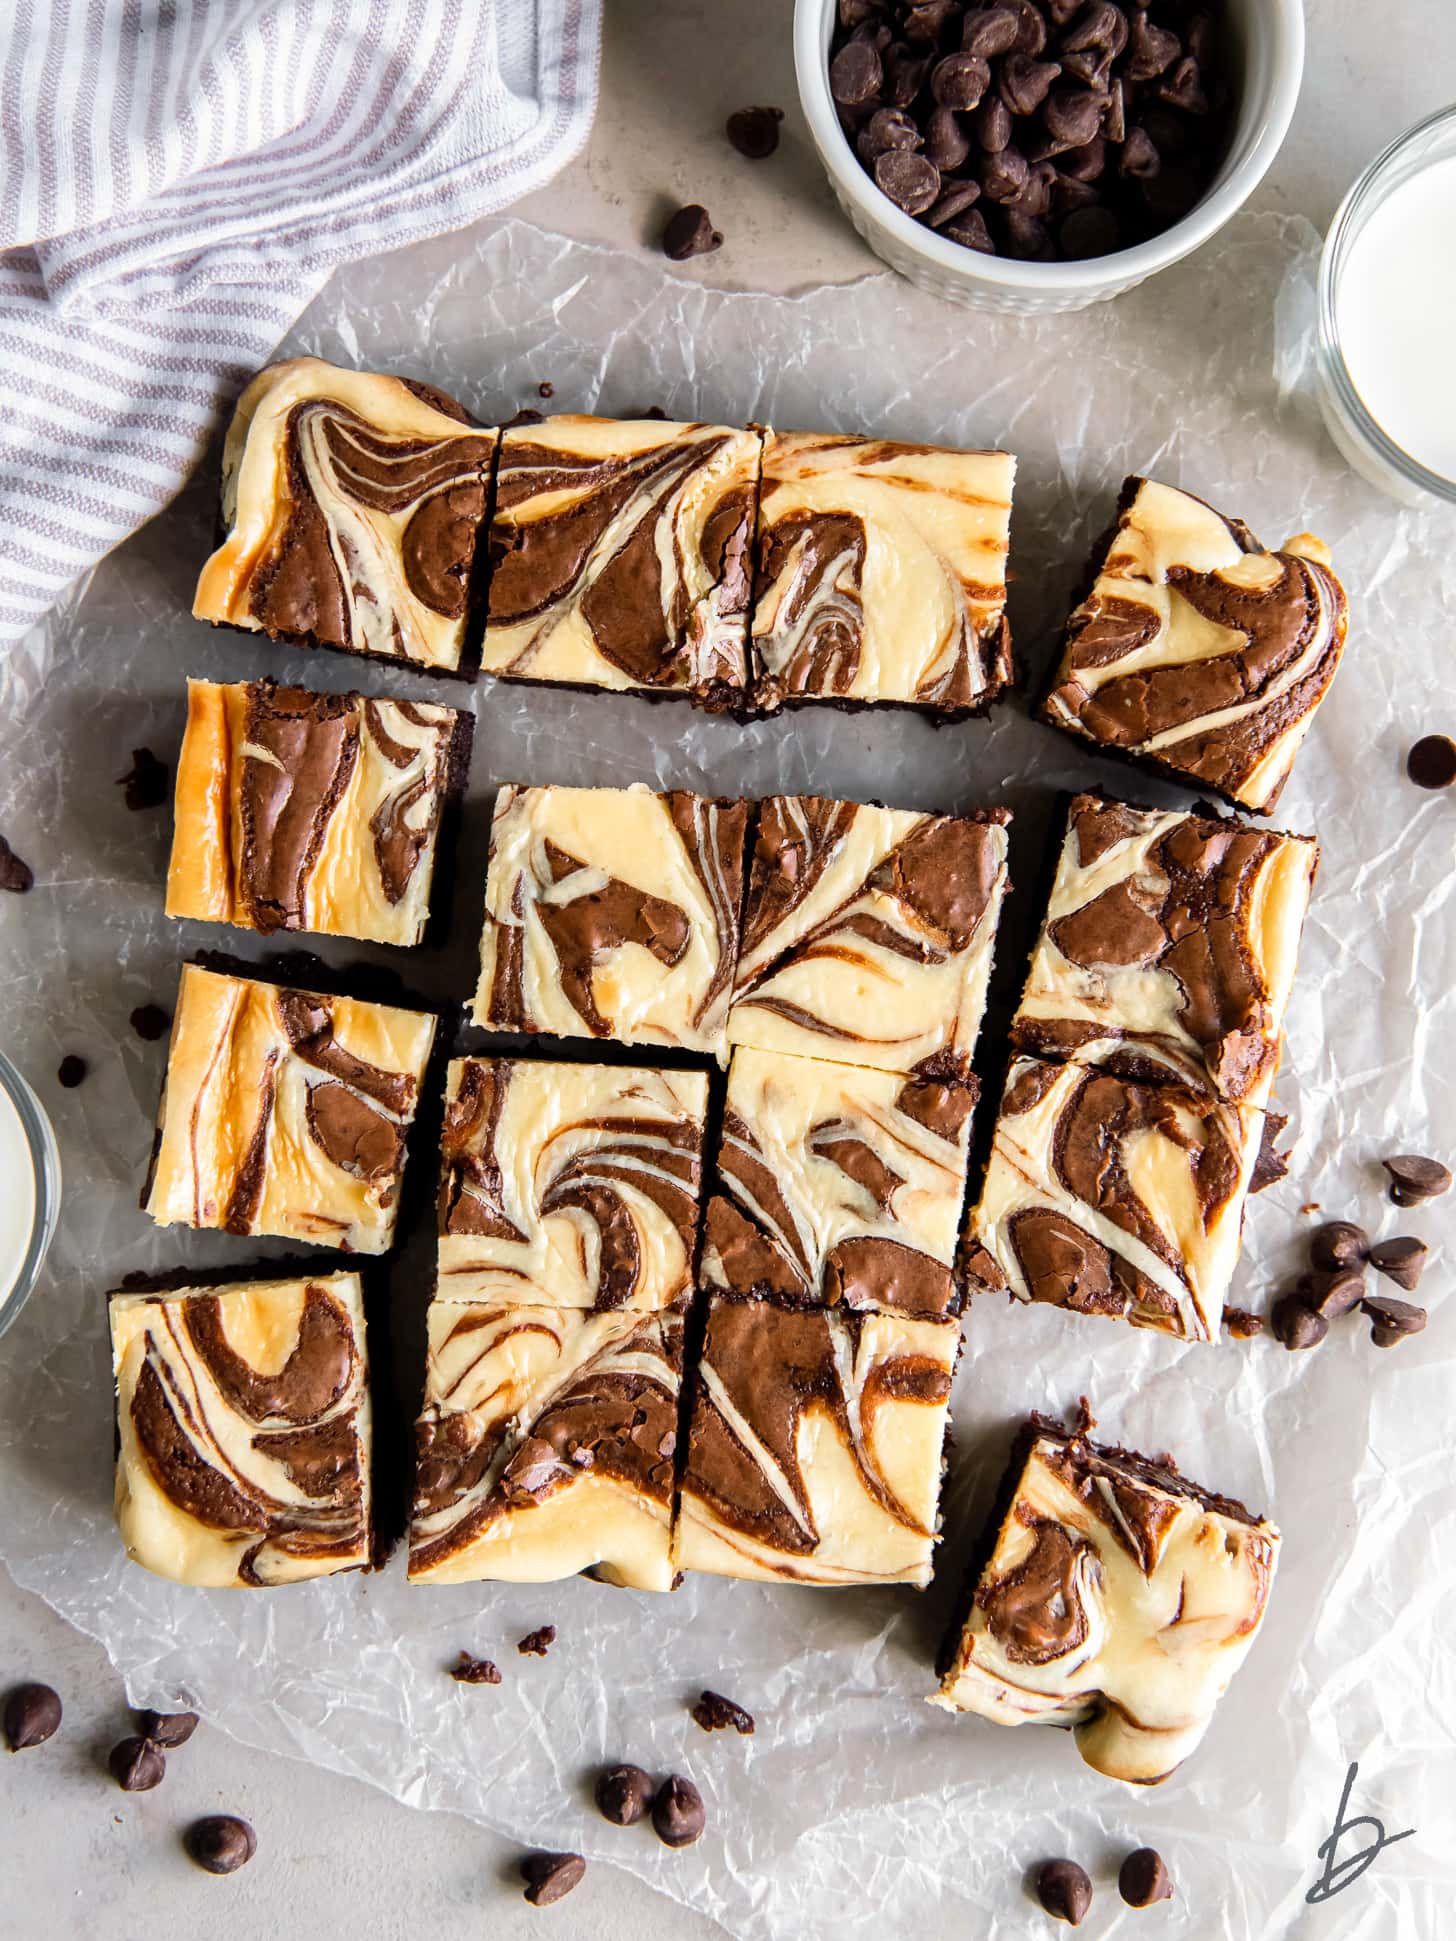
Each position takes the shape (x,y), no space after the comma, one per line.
(1395,313)
(17,1195)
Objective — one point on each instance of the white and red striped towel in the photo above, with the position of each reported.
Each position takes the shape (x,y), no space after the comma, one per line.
(177,180)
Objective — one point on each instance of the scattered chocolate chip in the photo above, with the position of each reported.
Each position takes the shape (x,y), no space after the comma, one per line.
(678,1813)
(1297,1325)
(537,1643)
(137,1765)
(1064,1890)
(713,1712)
(1414,1180)
(624,1793)
(1391,1320)
(169,1729)
(474,1671)
(32,1715)
(70,1071)
(1242,1325)
(1431,763)
(1333,1293)
(151,1022)
(14,874)
(546,389)
(654,411)
(754,132)
(550,1877)
(1143,1879)
(221,1843)
(1401,1260)
(690,232)
(1340,1243)
(145,782)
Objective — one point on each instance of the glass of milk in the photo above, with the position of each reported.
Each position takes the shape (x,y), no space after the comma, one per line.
(30,1190)
(1387,322)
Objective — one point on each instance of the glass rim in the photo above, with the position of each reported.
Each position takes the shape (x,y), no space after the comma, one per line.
(45,1160)
(1366,190)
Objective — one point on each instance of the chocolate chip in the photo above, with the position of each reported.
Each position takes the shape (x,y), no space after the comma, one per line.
(537,1643)
(1339,1243)
(169,1729)
(1024,83)
(690,232)
(905,73)
(1143,1879)
(1093,69)
(678,1813)
(1072,115)
(1114,115)
(946,142)
(713,1713)
(1335,1293)
(1182,87)
(1003,176)
(32,1715)
(910,182)
(551,1876)
(1431,763)
(546,389)
(991,125)
(1035,197)
(145,782)
(1027,237)
(969,229)
(953,201)
(1297,1325)
(887,128)
(1150,50)
(1391,1320)
(1170,194)
(151,1022)
(15,874)
(1085,164)
(854,13)
(1064,1890)
(1102,26)
(1401,1260)
(855,74)
(1414,1180)
(137,1765)
(221,1843)
(624,1793)
(754,132)
(990,32)
(71,1071)
(960,80)
(926,21)
(474,1671)
(1139,158)
(1031,33)
(1243,1326)
(1093,231)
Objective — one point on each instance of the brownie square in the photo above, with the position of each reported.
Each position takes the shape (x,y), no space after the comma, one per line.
(1168,948)
(1116,1598)
(285,1112)
(546,1445)
(1198,652)
(1110,1197)
(243,1430)
(352,505)
(312,812)
(868,933)
(815,1447)
(570,1185)
(838,1186)
(881,574)
(612,913)
(621,556)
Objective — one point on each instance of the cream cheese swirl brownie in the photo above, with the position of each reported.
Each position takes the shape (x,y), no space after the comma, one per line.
(1110,1197)
(312,812)
(546,1446)
(285,1112)
(621,556)
(612,913)
(1117,1599)
(838,1186)
(868,933)
(570,1185)
(1198,651)
(243,1430)
(881,574)
(815,1448)
(352,504)
(1168,948)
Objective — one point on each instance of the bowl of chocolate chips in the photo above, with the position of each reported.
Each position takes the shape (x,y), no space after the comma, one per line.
(1038,155)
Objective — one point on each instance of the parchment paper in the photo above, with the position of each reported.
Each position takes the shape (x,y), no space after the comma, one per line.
(855,1809)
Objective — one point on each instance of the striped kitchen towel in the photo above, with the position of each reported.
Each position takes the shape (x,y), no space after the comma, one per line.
(177,180)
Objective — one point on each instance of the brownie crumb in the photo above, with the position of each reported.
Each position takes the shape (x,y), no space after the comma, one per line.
(1242,1325)
(537,1643)
(150,1021)
(1310,1206)
(525,416)
(474,1671)
(15,874)
(71,1071)
(145,782)
(713,1713)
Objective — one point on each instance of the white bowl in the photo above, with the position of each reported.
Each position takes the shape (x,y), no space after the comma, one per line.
(1268,46)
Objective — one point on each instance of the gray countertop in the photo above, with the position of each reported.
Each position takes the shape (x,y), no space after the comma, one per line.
(79,1858)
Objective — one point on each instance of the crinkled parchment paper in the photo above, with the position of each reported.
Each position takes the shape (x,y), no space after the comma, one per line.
(855,1808)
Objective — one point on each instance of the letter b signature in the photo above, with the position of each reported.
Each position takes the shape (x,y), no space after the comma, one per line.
(1340,1873)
